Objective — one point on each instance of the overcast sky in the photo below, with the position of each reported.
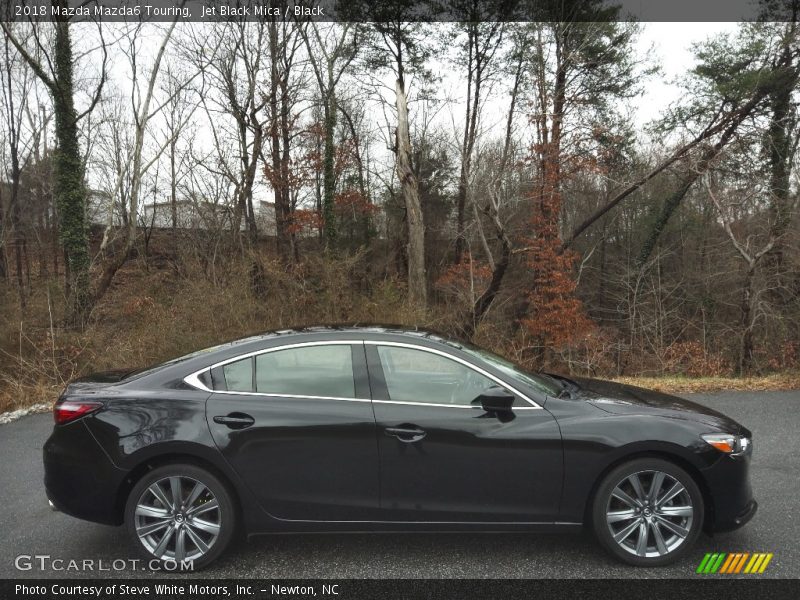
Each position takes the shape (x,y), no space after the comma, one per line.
(672,45)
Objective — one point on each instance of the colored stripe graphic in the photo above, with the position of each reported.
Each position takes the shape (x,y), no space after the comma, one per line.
(740,564)
(718,564)
(752,562)
(765,563)
(728,562)
(734,562)
(703,563)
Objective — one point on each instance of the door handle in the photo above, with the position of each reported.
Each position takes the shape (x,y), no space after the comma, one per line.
(406,434)
(235,420)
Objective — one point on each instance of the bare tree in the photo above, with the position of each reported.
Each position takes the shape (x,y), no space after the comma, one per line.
(136,166)
(330,52)
(57,73)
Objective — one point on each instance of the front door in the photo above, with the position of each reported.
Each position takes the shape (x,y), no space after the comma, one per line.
(444,459)
(297,425)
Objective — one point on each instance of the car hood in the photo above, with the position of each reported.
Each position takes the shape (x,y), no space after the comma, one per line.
(618,398)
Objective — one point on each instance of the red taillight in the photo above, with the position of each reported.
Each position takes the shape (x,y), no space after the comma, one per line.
(70,410)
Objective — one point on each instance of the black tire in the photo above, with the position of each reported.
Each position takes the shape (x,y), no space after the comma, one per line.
(674,546)
(196,520)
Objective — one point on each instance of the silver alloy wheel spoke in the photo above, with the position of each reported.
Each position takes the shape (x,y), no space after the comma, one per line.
(641,540)
(622,535)
(202,508)
(675,511)
(153,512)
(175,487)
(659,538)
(644,519)
(620,495)
(205,526)
(637,487)
(146,530)
(156,490)
(162,545)
(655,487)
(167,522)
(673,491)
(681,532)
(620,515)
(180,544)
(197,540)
(196,492)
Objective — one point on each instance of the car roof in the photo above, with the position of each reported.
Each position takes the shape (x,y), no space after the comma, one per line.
(344,330)
(201,358)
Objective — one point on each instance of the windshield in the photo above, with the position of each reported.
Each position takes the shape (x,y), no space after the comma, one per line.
(545,385)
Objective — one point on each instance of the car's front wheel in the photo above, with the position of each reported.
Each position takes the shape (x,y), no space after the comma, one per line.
(181,516)
(648,512)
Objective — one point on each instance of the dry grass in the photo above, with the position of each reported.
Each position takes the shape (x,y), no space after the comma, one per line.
(150,315)
(679,384)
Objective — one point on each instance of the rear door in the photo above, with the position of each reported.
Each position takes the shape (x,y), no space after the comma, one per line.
(296,423)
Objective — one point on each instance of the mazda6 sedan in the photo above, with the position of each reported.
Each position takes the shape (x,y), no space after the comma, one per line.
(386,429)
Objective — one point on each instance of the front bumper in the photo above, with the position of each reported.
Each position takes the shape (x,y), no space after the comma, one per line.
(731,495)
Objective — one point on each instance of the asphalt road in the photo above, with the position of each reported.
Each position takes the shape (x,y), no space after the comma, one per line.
(27,526)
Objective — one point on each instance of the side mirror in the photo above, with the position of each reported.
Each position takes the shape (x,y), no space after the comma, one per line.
(495,399)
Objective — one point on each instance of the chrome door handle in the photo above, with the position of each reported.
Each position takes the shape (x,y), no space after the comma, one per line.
(406,434)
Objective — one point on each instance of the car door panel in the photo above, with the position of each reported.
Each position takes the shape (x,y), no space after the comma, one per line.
(465,465)
(304,458)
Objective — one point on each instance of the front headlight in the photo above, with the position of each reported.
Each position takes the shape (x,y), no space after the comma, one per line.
(728,443)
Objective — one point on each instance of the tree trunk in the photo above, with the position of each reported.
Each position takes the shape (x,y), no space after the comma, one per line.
(670,206)
(781,153)
(282,238)
(328,169)
(173,189)
(69,187)
(746,322)
(417,284)
(470,123)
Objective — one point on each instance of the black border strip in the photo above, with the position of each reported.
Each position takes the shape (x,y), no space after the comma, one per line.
(403,10)
(371,589)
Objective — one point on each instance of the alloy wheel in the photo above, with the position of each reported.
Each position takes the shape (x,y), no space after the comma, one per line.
(649,514)
(177,518)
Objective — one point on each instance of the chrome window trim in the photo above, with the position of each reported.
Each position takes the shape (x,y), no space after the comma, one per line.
(194,378)
(466,363)
(293,396)
(462,406)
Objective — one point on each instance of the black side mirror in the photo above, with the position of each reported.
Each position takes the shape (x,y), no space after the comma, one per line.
(495,399)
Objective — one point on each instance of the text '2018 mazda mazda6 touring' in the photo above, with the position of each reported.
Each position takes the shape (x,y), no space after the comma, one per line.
(379,429)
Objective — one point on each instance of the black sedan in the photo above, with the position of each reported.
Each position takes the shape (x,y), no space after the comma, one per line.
(386,429)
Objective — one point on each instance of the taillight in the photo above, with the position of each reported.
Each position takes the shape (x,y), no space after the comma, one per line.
(67,411)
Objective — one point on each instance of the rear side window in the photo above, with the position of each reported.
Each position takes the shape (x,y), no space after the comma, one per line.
(325,371)
(307,371)
(239,375)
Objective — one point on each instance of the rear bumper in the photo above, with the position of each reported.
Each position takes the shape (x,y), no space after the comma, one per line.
(79,478)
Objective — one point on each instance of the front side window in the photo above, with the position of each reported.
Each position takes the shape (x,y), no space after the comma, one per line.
(418,376)
(325,371)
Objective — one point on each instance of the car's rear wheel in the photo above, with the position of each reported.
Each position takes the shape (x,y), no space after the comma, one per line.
(648,512)
(180,515)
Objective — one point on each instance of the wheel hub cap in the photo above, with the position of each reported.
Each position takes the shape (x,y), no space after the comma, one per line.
(178,518)
(649,514)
